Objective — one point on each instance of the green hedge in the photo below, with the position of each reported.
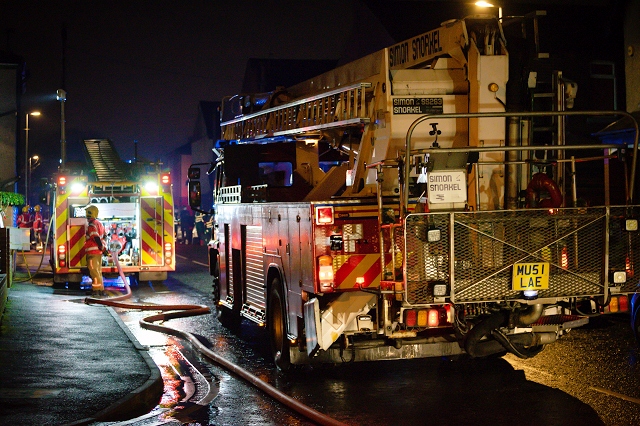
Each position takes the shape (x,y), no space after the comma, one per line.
(11,199)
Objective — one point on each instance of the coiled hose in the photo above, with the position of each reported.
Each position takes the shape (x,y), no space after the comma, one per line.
(182,311)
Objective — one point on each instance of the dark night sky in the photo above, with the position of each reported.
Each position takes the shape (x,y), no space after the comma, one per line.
(136,69)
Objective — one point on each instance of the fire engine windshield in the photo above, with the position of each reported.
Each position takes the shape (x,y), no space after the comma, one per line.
(276,173)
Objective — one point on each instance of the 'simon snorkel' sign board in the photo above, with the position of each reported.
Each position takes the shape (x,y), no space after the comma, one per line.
(447,186)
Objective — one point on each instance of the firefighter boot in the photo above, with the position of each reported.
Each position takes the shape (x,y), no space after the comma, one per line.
(97,288)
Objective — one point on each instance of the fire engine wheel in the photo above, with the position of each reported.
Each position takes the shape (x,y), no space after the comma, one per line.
(277,326)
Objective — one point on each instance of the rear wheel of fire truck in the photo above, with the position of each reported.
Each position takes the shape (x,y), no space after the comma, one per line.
(277,326)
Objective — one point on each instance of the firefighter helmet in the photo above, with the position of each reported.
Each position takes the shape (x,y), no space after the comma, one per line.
(91,212)
(36,208)
(25,209)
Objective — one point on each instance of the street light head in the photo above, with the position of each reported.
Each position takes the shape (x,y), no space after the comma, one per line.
(61,95)
(35,113)
(35,157)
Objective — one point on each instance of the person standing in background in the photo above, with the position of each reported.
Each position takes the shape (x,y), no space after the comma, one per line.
(200,227)
(38,226)
(208,228)
(186,225)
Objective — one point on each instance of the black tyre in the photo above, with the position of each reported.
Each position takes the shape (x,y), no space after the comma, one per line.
(277,326)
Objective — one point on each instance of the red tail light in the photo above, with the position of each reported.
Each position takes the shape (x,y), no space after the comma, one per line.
(168,253)
(324,215)
(623,303)
(165,178)
(440,316)
(619,303)
(410,317)
(62,255)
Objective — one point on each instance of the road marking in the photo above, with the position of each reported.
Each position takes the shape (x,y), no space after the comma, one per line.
(194,261)
(616,394)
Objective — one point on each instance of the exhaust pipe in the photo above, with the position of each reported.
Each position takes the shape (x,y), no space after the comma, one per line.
(524,345)
(527,316)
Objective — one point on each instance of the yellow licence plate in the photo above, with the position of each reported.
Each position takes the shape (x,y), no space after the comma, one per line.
(530,276)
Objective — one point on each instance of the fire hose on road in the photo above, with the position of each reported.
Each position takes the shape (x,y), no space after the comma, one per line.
(182,311)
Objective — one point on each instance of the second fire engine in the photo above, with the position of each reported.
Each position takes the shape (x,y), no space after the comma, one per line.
(135,205)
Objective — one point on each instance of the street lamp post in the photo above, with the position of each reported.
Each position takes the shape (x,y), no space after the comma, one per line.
(32,166)
(61,96)
(26,155)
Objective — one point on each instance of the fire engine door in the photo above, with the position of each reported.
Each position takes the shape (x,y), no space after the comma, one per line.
(151,227)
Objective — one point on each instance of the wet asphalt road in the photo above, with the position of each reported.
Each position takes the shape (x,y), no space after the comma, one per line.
(590,377)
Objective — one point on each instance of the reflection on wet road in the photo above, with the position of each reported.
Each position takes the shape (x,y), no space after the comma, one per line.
(578,380)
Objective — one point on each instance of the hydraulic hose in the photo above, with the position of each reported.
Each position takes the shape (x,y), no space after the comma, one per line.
(523,345)
(44,251)
(181,311)
(476,348)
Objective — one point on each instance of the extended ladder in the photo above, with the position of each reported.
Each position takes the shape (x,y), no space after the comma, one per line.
(346,106)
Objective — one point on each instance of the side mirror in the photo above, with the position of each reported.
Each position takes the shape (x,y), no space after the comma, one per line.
(195,195)
(193,173)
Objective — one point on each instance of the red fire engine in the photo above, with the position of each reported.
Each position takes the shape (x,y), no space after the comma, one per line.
(135,206)
(378,211)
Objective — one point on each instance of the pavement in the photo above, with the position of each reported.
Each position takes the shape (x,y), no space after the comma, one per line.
(64,362)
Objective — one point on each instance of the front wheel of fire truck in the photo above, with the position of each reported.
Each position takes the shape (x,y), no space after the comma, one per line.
(277,326)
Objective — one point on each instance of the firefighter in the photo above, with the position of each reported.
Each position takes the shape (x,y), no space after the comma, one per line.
(24,219)
(208,223)
(94,247)
(38,226)
(199,223)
